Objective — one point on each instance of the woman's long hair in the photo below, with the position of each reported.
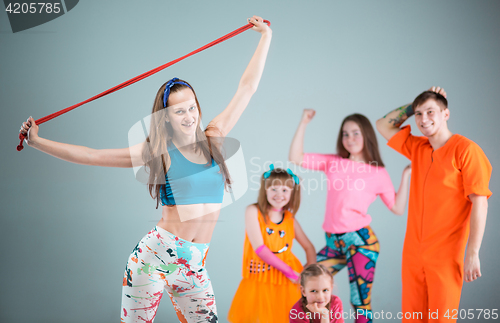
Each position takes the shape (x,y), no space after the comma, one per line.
(371,153)
(155,153)
(313,270)
(278,176)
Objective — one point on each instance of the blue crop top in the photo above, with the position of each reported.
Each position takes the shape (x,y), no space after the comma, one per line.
(190,183)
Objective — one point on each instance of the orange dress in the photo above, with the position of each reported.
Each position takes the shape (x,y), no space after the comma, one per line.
(438,221)
(265,294)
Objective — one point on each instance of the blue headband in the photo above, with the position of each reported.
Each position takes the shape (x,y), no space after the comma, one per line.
(268,173)
(169,86)
(295,177)
(288,170)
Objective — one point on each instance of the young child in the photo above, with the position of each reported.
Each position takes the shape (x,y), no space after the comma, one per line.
(356,176)
(318,304)
(270,269)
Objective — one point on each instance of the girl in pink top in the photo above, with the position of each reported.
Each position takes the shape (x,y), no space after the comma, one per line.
(356,176)
(318,304)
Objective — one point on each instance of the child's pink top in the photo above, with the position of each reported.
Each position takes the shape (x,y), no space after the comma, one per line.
(352,187)
(297,314)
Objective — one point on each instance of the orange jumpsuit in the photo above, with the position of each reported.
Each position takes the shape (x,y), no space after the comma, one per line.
(438,222)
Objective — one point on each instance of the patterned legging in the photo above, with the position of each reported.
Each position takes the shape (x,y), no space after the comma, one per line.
(359,251)
(161,261)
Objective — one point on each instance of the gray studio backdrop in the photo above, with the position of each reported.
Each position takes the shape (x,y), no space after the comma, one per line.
(67,230)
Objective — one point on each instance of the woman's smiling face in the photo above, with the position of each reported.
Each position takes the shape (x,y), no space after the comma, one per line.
(352,138)
(182,112)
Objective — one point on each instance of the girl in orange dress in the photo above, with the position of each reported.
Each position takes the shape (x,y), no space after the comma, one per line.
(269,287)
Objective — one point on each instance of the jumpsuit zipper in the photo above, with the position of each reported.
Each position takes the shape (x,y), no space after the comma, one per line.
(423,193)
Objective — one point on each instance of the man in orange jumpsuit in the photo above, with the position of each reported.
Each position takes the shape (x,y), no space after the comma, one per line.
(448,196)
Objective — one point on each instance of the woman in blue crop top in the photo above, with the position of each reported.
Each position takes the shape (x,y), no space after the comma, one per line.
(187,174)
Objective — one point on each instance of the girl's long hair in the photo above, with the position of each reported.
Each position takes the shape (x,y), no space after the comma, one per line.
(313,270)
(278,176)
(155,153)
(371,153)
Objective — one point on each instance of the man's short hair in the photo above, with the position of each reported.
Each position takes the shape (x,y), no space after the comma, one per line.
(424,96)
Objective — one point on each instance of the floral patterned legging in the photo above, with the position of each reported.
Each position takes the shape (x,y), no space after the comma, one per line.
(161,261)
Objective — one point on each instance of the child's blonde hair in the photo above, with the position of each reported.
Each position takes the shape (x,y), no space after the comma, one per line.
(278,176)
(313,270)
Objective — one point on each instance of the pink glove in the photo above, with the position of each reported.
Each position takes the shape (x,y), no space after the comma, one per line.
(268,256)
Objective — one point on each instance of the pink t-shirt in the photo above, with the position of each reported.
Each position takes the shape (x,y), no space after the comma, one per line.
(352,187)
(336,315)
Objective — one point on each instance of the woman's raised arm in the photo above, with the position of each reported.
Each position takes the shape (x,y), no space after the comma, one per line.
(402,194)
(125,157)
(296,153)
(249,82)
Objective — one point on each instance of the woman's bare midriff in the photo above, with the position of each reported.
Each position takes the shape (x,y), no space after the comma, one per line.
(195,222)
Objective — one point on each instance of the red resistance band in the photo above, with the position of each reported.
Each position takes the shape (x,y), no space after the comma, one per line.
(138,78)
